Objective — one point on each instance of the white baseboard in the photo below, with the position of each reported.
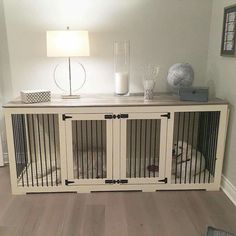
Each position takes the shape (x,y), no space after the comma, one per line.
(229,189)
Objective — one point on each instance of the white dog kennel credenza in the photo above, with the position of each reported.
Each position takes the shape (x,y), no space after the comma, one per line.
(108,143)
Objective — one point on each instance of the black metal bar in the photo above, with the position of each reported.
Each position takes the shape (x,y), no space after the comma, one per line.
(181,164)
(211,147)
(20,147)
(205,145)
(45,151)
(17,149)
(25,148)
(130,165)
(177,148)
(40,151)
(135,150)
(186,156)
(50,149)
(87,149)
(203,125)
(216,140)
(82,149)
(196,151)
(155,147)
(216,126)
(145,148)
(150,150)
(102,148)
(97,145)
(191,159)
(92,145)
(212,144)
(15,138)
(30,150)
(105,150)
(55,151)
(77,149)
(140,156)
(35,150)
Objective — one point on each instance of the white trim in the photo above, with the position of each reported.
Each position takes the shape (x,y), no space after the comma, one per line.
(1,153)
(229,189)
(114,147)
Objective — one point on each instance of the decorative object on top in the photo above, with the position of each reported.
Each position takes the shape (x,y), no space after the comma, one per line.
(149,80)
(121,67)
(35,96)
(197,94)
(68,44)
(180,75)
(229,31)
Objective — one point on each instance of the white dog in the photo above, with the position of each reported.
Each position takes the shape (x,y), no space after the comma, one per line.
(190,158)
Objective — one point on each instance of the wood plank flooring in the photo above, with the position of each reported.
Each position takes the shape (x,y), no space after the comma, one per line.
(175,213)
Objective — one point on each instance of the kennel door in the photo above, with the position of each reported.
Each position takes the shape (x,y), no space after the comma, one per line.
(143,147)
(89,148)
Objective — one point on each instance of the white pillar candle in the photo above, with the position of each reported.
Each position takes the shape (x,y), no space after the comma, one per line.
(121,83)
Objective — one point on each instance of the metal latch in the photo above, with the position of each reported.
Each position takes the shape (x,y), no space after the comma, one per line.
(67,182)
(123,116)
(163,181)
(64,117)
(119,181)
(166,115)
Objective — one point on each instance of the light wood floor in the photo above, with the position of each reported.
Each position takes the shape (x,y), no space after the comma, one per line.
(177,213)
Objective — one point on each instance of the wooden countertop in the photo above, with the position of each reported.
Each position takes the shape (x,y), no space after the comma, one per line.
(107,100)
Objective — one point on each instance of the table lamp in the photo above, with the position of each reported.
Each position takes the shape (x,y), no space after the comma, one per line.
(68,43)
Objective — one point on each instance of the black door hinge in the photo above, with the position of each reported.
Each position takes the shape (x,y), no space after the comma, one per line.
(119,116)
(122,181)
(119,181)
(166,115)
(110,181)
(122,116)
(67,182)
(64,117)
(163,180)
(107,117)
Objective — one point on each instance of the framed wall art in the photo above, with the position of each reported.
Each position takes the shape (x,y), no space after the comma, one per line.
(229,31)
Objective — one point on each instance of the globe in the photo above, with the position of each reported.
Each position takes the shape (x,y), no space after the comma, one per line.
(180,75)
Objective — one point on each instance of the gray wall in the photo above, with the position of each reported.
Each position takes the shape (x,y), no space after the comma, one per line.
(221,74)
(5,77)
(161,32)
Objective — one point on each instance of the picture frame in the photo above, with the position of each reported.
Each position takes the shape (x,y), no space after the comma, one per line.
(229,31)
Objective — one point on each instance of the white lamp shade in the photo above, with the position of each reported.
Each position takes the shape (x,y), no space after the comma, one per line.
(67,43)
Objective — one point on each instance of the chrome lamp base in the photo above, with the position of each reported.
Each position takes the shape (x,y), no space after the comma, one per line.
(70,96)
